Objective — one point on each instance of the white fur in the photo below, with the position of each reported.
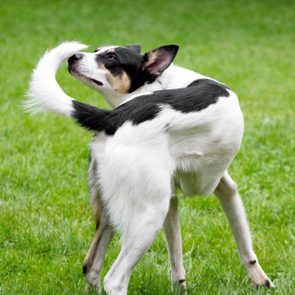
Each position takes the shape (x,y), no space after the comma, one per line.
(44,92)
(152,156)
(137,167)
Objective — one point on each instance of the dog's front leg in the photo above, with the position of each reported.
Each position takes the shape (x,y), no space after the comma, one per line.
(174,242)
(232,204)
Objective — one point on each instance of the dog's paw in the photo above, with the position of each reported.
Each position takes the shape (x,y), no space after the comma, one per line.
(266,283)
(92,278)
(258,276)
(179,287)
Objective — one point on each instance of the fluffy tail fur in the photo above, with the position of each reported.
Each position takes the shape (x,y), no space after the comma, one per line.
(45,94)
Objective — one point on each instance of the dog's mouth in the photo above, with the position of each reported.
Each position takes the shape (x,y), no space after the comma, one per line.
(74,72)
(96,82)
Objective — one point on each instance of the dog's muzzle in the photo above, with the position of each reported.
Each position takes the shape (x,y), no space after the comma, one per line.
(74,58)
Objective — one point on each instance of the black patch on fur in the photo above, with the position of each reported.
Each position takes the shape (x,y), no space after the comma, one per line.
(128,60)
(267,283)
(85,269)
(195,98)
(89,116)
(203,93)
(134,47)
(124,59)
(252,261)
(196,82)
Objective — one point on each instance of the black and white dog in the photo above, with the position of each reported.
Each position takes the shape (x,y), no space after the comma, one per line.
(170,127)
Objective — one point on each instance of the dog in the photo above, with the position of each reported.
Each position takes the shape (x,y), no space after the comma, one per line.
(170,127)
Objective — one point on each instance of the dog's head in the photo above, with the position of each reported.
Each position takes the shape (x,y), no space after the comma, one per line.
(120,69)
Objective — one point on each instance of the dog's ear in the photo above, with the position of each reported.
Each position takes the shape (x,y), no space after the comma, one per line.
(135,48)
(158,60)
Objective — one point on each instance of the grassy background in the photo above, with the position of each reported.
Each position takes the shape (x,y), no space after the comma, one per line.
(46,222)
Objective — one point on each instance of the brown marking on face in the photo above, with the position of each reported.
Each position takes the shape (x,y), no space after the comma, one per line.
(120,83)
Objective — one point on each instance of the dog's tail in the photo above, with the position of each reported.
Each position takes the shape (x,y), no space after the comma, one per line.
(45,94)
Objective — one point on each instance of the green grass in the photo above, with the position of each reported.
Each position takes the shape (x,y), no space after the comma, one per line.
(46,221)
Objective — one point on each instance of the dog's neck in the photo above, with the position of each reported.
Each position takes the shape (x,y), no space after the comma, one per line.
(173,77)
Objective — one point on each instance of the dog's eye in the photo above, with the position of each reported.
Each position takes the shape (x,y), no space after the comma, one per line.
(111,55)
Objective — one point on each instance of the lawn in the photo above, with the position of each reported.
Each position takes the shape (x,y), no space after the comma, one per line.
(46,222)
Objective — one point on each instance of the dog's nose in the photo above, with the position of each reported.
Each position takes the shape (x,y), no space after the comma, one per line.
(75,58)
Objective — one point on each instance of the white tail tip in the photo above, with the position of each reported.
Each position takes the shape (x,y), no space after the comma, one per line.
(44,92)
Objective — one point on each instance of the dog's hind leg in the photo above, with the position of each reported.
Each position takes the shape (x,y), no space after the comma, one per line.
(94,259)
(174,242)
(227,193)
(103,233)
(88,261)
